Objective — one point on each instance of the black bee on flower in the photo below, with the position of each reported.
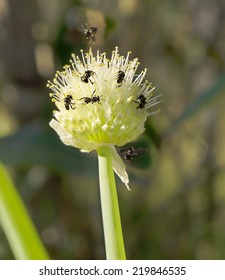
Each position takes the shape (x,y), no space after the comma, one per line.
(69,102)
(86,76)
(141,101)
(92,99)
(120,77)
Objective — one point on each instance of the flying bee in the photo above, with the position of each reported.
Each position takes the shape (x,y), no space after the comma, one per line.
(86,76)
(69,102)
(141,101)
(131,153)
(120,77)
(90,32)
(92,99)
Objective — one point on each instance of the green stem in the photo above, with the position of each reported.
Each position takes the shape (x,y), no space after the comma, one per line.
(110,208)
(15,221)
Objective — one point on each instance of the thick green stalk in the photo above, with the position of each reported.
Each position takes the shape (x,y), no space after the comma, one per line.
(110,208)
(16,223)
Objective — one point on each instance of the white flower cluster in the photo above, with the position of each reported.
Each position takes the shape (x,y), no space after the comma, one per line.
(100,102)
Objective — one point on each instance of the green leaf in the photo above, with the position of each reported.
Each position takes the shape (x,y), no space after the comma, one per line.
(16,223)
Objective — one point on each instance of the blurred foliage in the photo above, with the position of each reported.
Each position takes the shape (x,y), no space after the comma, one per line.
(177,204)
(37,146)
(201,100)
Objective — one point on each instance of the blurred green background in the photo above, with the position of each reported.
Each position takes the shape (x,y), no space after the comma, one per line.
(176,209)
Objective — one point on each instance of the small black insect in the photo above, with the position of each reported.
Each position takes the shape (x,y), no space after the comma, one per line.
(131,153)
(86,76)
(141,100)
(90,32)
(92,99)
(120,77)
(69,102)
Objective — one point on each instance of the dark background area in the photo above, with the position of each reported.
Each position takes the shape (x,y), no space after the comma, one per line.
(176,209)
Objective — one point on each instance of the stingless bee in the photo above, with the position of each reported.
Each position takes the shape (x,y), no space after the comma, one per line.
(120,77)
(69,102)
(131,153)
(141,101)
(90,32)
(86,76)
(92,99)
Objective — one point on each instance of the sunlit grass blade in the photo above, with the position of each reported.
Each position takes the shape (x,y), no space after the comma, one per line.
(16,223)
